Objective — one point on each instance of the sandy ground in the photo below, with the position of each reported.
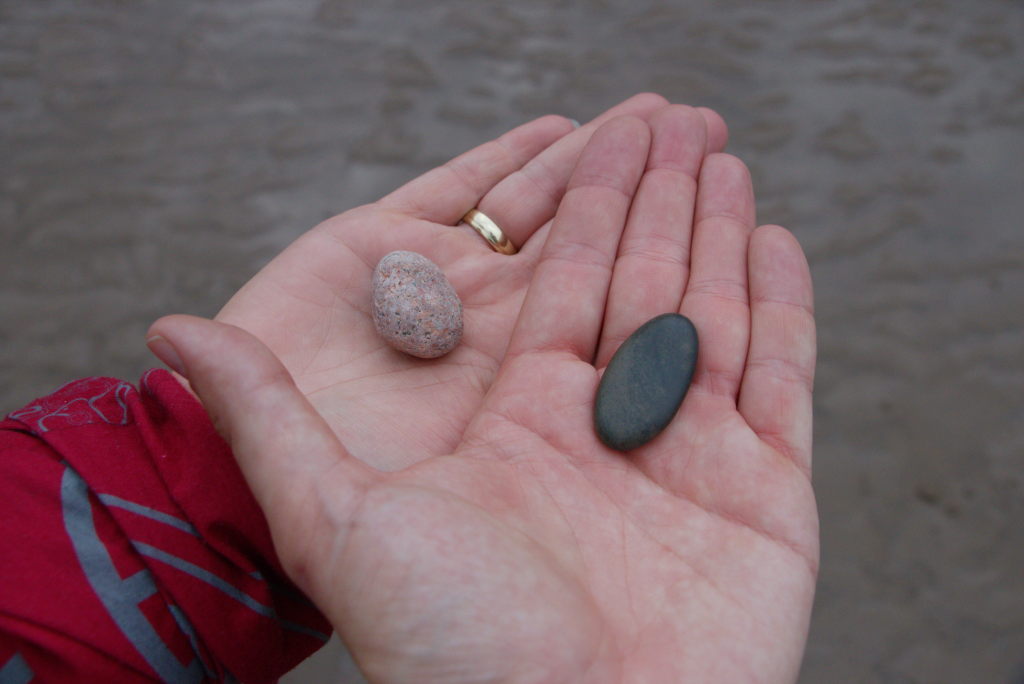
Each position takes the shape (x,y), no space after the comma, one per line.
(153,155)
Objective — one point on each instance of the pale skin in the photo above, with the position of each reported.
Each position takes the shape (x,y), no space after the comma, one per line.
(457,520)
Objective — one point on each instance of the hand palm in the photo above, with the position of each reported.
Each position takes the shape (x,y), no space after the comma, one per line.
(534,550)
(311,307)
(533,553)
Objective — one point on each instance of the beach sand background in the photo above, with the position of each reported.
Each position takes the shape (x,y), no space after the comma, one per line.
(153,155)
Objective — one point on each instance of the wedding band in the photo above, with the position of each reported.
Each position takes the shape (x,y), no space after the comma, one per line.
(489,231)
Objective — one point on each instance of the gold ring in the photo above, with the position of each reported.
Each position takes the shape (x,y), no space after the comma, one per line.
(489,231)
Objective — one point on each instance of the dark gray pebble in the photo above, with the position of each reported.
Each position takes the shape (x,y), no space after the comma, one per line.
(645,382)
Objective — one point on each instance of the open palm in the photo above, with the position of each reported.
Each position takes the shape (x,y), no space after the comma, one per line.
(532,553)
(311,304)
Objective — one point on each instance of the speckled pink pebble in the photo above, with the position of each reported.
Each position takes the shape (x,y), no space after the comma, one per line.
(415,308)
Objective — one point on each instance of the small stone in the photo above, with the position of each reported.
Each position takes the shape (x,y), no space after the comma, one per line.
(415,308)
(645,382)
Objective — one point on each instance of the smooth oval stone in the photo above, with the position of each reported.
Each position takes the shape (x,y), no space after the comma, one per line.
(415,308)
(645,382)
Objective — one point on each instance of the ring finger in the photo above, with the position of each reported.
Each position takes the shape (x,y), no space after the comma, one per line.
(527,199)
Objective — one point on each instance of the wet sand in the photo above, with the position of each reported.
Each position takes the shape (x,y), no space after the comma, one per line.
(154,155)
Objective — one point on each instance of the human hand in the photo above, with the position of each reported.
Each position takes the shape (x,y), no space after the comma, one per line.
(311,304)
(532,553)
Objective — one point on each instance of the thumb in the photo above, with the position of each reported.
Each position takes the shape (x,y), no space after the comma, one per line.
(283,446)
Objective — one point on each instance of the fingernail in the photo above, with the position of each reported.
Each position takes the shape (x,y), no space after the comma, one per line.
(575,123)
(163,350)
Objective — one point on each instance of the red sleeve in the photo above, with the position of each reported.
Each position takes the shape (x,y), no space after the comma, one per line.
(131,548)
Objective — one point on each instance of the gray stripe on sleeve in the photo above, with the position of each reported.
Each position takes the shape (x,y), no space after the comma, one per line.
(119,596)
(204,575)
(147,512)
(16,671)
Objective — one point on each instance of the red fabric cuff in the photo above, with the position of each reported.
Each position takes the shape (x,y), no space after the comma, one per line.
(132,547)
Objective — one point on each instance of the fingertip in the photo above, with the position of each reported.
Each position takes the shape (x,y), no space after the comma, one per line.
(642,105)
(779,268)
(725,162)
(628,120)
(538,133)
(679,135)
(615,155)
(718,131)
(648,101)
(561,125)
(157,327)
(676,110)
(629,128)
(726,190)
(772,234)
(166,352)
(168,335)
(727,176)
